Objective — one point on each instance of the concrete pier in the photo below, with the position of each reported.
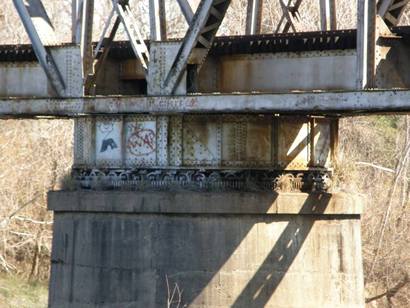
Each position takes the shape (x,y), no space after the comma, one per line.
(131,249)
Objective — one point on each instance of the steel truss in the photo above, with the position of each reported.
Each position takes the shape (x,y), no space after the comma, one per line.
(200,35)
(391,10)
(156,172)
(373,23)
(290,18)
(38,36)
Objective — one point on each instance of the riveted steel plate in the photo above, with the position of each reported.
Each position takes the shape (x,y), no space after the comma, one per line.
(71,71)
(108,141)
(253,72)
(201,141)
(162,57)
(162,140)
(140,141)
(293,143)
(233,145)
(205,141)
(259,141)
(322,143)
(247,140)
(83,148)
(175,141)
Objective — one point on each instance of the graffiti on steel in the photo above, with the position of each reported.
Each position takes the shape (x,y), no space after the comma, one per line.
(240,141)
(107,143)
(157,104)
(141,141)
(177,103)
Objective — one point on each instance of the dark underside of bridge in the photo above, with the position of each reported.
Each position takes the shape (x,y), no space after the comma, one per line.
(238,44)
(229,45)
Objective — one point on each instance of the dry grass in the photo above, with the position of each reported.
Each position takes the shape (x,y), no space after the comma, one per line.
(18,293)
(35,154)
(380,140)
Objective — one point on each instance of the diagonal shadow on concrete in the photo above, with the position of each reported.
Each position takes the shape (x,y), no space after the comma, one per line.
(261,287)
(219,248)
(135,253)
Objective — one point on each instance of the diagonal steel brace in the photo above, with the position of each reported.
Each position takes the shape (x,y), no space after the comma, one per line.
(200,35)
(43,55)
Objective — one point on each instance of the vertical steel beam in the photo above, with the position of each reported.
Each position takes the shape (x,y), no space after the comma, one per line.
(90,84)
(44,57)
(158,25)
(87,35)
(76,20)
(366,43)
(328,15)
(254,17)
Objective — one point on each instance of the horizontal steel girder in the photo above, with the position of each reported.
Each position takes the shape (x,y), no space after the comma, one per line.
(314,103)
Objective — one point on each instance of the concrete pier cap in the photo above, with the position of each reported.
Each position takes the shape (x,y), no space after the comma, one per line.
(203,249)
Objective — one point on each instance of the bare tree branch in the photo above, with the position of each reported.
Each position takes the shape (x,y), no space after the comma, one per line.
(375,166)
(401,165)
(392,291)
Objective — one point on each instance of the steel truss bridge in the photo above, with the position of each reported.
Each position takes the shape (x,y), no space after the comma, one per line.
(257,101)
(254,113)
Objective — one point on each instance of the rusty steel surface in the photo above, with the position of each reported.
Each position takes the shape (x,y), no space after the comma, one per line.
(332,70)
(207,141)
(211,152)
(286,42)
(226,45)
(318,103)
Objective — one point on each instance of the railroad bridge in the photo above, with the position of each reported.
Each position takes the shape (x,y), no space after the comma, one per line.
(203,165)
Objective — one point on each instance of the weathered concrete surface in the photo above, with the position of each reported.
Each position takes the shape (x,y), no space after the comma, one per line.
(204,203)
(117,249)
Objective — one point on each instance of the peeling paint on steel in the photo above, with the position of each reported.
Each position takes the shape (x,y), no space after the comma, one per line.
(360,102)
(216,141)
